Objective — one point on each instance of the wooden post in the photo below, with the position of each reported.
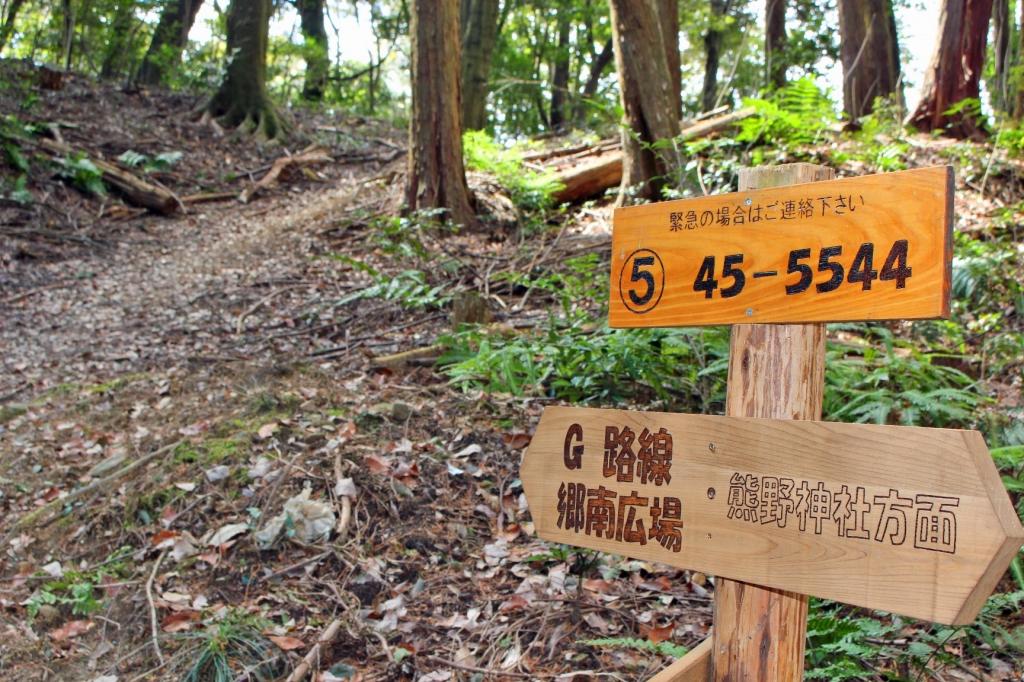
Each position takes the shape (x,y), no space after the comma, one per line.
(778,372)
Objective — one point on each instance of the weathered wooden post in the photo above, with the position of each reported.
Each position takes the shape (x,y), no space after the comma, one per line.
(773,502)
(775,372)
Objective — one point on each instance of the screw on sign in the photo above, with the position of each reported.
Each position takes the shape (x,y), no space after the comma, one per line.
(910,520)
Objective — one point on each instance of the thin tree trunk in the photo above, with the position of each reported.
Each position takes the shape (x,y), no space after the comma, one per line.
(314,33)
(649,98)
(955,70)
(870,54)
(479,34)
(7,30)
(1018,86)
(120,38)
(560,74)
(242,100)
(597,68)
(436,176)
(668,18)
(713,54)
(775,42)
(169,40)
(68,33)
(1002,48)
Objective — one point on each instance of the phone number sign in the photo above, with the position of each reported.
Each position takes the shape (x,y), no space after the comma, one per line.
(874,247)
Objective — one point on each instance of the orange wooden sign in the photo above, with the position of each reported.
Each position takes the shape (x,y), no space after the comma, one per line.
(875,247)
(905,519)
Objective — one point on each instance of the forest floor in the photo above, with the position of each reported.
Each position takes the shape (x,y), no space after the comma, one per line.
(171,384)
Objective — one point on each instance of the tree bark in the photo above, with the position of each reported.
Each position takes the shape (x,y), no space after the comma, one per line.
(1002,49)
(242,101)
(870,53)
(597,68)
(169,40)
(311,15)
(479,22)
(775,42)
(955,70)
(436,176)
(713,54)
(67,33)
(668,18)
(1018,87)
(120,33)
(650,95)
(560,74)
(7,30)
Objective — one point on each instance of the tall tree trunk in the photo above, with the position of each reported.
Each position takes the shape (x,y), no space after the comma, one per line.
(169,40)
(1002,48)
(955,69)
(775,42)
(479,24)
(713,54)
(318,63)
(7,29)
(560,74)
(1017,85)
(597,68)
(67,33)
(668,18)
(242,100)
(436,176)
(649,97)
(120,38)
(870,53)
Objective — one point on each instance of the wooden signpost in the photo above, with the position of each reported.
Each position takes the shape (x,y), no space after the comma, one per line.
(776,505)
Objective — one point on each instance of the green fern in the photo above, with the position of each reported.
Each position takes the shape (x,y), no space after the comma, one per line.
(663,648)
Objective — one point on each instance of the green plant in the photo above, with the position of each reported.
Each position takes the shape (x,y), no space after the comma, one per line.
(161,162)
(408,288)
(77,589)
(662,648)
(81,172)
(528,189)
(797,114)
(232,640)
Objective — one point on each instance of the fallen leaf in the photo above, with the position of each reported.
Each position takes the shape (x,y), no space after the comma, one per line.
(267,430)
(164,538)
(285,643)
(597,585)
(517,441)
(179,621)
(657,634)
(516,602)
(187,486)
(73,628)
(226,533)
(377,464)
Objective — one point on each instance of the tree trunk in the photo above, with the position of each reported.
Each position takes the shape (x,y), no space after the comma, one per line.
(242,101)
(713,54)
(318,63)
(67,33)
(169,40)
(870,53)
(649,98)
(120,34)
(436,177)
(597,67)
(7,29)
(560,74)
(668,18)
(955,70)
(775,42)
(1018,86)
(1002,49)
(479,34)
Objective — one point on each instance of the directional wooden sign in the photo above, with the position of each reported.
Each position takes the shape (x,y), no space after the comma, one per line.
(876,247)
(904,519)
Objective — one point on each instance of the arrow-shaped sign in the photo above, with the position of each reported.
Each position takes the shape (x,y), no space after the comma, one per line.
(904,519)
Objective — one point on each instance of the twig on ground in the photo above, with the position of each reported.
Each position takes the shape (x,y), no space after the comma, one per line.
(474,669)
(313,657)
(153,624)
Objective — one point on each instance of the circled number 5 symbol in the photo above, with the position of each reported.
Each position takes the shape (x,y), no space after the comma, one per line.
(642,281)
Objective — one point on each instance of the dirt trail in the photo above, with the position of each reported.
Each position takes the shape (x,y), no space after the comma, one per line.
(172,297)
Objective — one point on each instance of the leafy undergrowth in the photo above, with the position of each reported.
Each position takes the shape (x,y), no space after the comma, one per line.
(292,476)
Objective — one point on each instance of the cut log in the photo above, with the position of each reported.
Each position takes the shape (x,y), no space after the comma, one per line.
(589,179)
(136,190)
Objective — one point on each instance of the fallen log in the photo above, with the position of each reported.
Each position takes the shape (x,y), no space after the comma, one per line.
(586,180)
(308,156)
(136,190)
